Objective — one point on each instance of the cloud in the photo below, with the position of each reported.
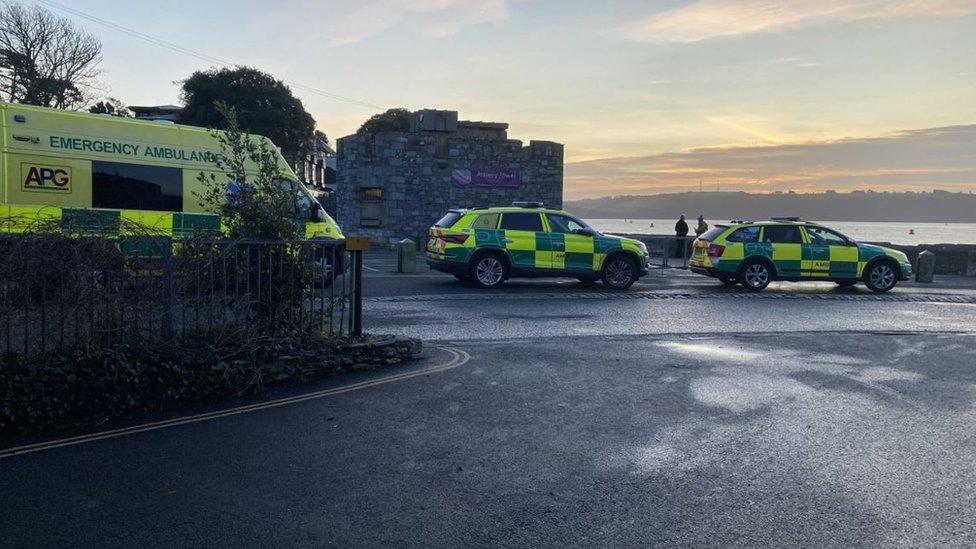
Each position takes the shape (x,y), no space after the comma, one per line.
(439,18)
(910,160)
(705,19)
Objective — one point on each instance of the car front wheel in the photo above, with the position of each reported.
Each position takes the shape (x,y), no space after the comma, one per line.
(619,272)
(881,277)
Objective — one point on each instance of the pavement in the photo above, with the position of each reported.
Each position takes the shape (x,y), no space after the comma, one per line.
(554,414)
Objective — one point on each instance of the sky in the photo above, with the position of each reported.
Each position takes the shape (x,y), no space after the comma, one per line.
(648,96)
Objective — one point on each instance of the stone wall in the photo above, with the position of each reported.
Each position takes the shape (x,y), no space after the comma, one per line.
(410,174)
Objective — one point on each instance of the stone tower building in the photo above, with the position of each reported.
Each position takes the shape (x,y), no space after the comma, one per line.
(395,185)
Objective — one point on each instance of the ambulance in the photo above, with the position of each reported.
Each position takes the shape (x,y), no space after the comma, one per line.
(99,174)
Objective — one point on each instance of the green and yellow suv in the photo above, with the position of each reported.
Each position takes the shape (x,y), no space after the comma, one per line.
(754,254)
(488,245)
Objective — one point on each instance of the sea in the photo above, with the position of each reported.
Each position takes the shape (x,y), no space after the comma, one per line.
(894,232)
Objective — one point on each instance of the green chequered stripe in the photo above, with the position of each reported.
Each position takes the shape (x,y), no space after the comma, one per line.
(489,237)
(550,242)
(185,224)
(522,257)
(579,261)
(603,245)
(840,268)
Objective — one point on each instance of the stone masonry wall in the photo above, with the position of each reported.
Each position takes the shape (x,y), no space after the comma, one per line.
(414,172)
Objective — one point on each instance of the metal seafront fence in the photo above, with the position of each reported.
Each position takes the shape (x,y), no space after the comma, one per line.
(66,292)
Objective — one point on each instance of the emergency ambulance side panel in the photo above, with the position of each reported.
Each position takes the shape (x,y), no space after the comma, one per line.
(105,174)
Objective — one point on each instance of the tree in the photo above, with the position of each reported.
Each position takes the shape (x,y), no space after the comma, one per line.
(44,59)
(112,106)
(256,204)
(263,105)
(393,120)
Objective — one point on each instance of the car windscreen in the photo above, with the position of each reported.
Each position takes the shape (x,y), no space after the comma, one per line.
(712,234)
(448,220)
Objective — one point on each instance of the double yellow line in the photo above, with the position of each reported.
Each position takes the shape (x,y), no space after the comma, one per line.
(458,358)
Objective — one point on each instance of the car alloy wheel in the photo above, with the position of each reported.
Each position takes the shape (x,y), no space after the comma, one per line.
(489,271)
(756,276)
(882,277)
(324,271)
(620,273)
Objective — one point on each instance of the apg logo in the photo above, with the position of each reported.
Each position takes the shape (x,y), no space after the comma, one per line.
(45,178)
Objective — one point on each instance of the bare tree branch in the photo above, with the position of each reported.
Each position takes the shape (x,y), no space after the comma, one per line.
(44,59)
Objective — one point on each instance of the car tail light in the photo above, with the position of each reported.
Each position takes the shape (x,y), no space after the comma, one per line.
(714,250)
(454,238)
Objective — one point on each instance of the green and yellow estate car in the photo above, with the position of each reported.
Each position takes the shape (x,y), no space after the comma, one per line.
(486,246)
(756,253)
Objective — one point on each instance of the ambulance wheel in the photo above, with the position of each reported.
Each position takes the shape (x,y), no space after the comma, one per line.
(755,275)
(619,272)
(881,277)
(488,270)
(325,271)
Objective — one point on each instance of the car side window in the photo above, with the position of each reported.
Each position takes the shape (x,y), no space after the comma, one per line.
(782,234)
(823,235)
(485,221)
(747,234)
(518,221)
(564,224)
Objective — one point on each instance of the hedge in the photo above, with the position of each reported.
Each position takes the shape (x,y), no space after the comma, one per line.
(80,387)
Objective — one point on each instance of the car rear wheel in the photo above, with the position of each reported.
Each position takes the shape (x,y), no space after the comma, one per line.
(619,272)
(881,277)
(488,270)
(755,275)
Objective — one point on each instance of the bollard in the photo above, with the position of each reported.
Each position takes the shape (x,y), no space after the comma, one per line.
(926,267)
(406,256)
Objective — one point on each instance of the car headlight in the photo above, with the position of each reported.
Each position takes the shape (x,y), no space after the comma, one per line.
(643,248)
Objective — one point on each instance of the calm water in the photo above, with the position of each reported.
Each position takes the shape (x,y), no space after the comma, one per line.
(897,233)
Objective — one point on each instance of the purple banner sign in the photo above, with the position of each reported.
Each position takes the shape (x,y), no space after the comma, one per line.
(486,179)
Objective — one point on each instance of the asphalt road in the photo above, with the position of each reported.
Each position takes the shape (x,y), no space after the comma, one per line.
(681,416)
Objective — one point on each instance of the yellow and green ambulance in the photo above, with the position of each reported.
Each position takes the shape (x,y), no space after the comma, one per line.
(488,245)
(98,174)
(756,253)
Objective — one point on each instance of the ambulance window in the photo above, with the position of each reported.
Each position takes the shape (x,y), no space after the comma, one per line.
(821,235)
(564,224)
(522,222)
(747,234)
(485,221)
(448,220)
(135,187)
(303,202)
(784,234)
(712,234)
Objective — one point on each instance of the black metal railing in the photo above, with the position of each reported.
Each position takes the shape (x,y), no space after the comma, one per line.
(60,292)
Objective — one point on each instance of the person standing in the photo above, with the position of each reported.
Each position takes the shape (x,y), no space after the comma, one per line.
(702,227)
(681,227)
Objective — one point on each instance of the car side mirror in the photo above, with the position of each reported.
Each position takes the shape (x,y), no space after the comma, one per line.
(585,232)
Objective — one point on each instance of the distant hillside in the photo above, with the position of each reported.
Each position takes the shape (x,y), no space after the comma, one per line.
(929,207)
